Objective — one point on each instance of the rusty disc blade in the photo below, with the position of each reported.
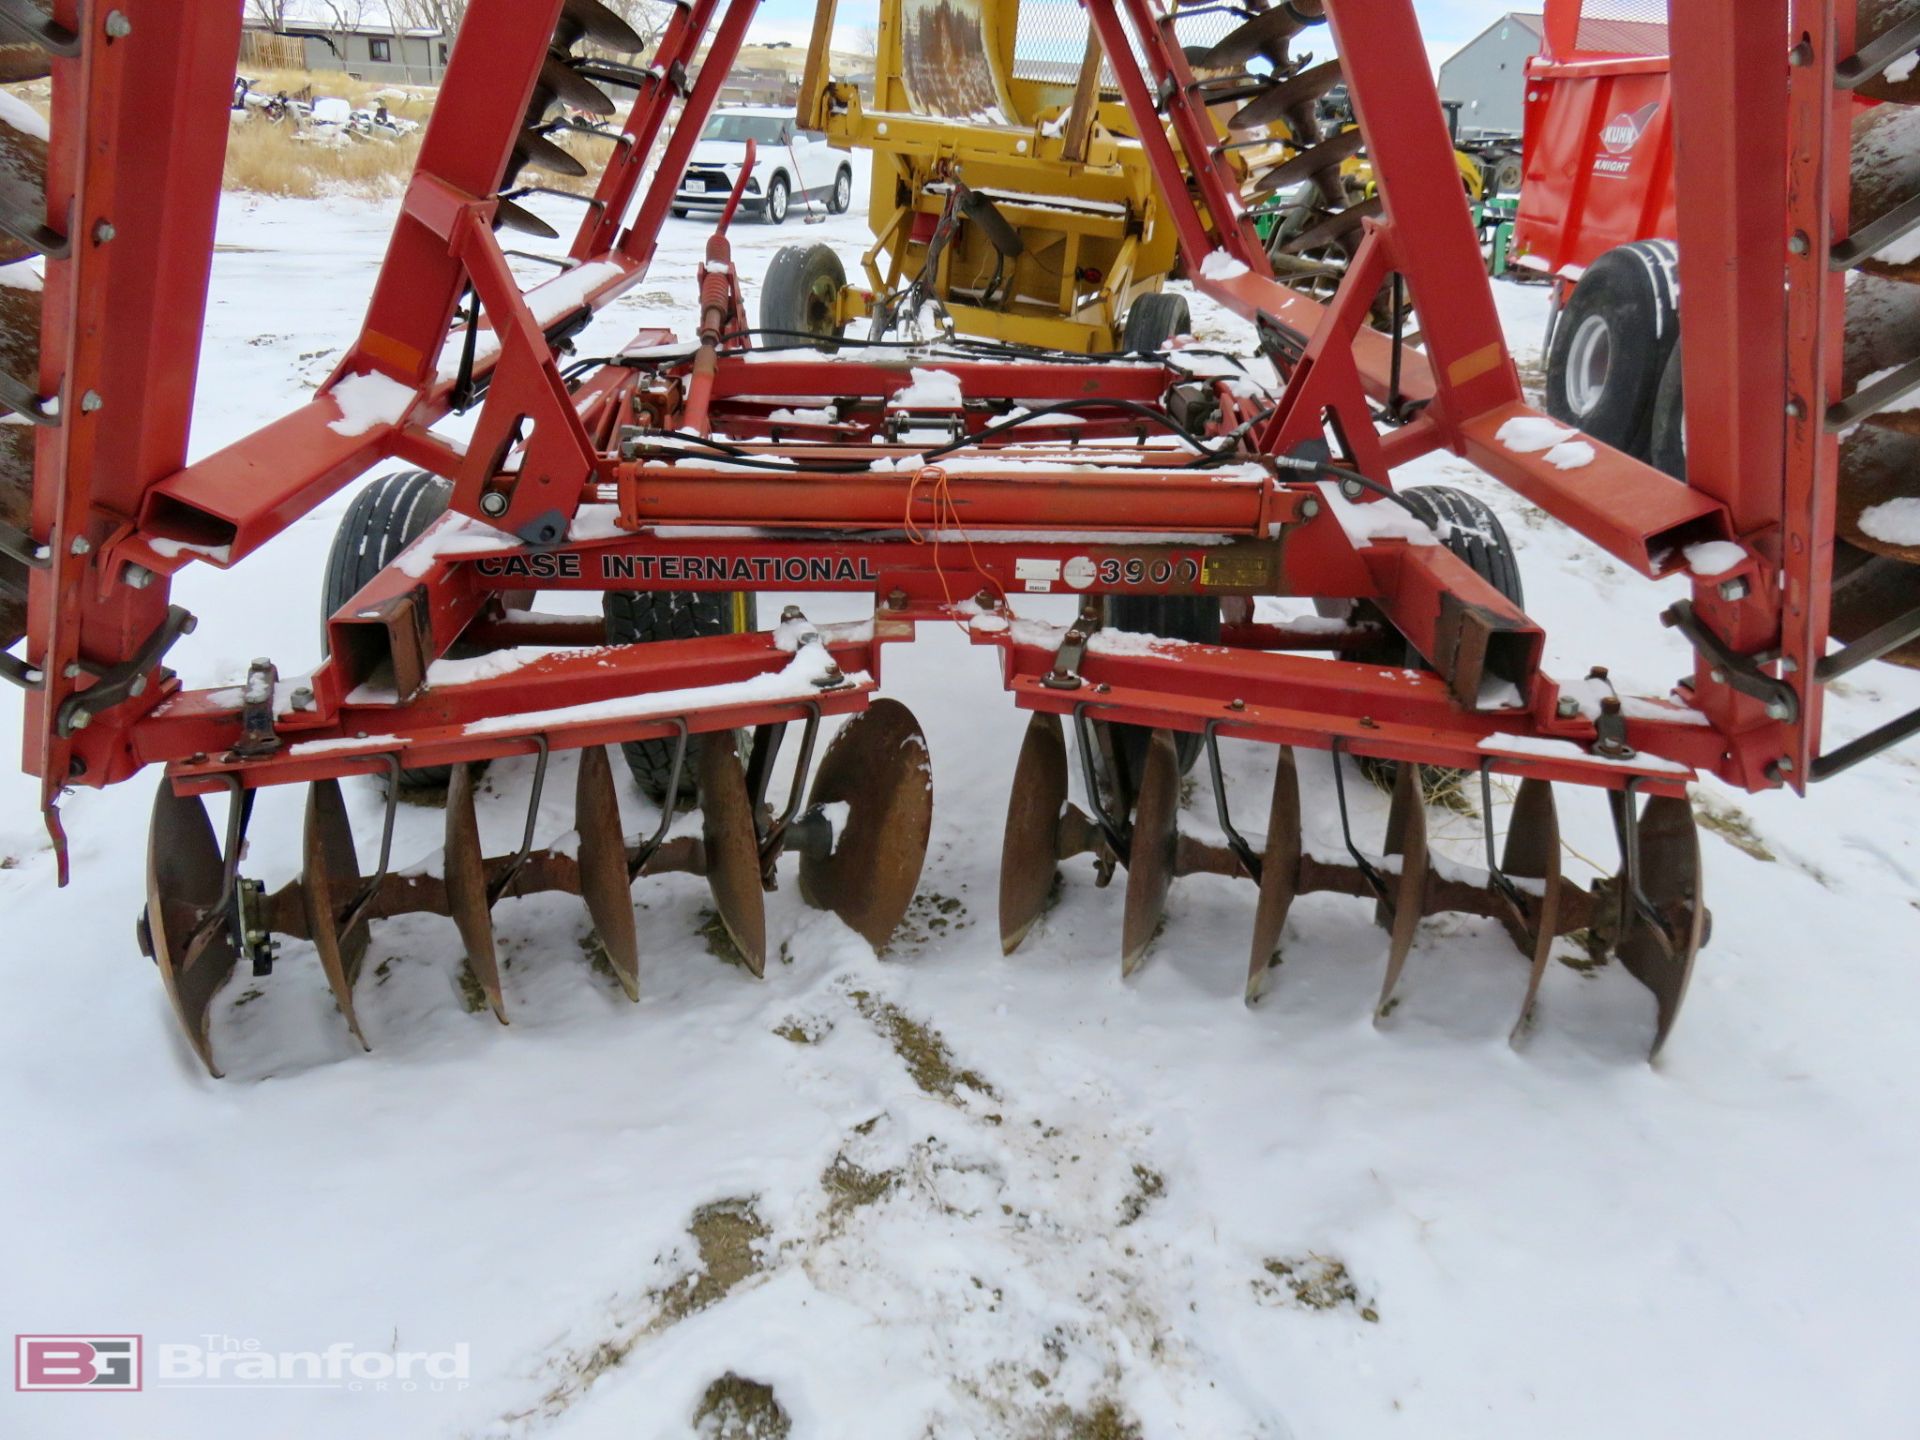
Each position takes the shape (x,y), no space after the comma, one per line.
(603,867)
(467,888)
(1879,479)
(1661,956)
(1407,838)
(511,215)
(595,21)
(1327,155)
(1029,849)
(1279,873)
(19,357)
(1532,859)
(1150,857)
(1278,101)
(185,878)
(878,767)
(1334,227)
(1868,591)
(568,86)
(732,845)
(535,149)
(23,62)
(1266,34)
(329,880)
(23,187)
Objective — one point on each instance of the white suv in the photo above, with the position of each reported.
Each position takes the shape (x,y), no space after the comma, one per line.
(791,166)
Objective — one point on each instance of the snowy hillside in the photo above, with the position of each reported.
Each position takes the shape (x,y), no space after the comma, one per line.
(947,1193)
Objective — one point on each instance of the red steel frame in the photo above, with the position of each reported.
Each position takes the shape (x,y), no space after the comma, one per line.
(112,475)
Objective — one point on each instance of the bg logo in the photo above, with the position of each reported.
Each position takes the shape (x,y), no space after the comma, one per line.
(76,1362)
(1623,132)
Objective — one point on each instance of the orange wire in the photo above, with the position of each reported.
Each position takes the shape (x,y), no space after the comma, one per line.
(946,515)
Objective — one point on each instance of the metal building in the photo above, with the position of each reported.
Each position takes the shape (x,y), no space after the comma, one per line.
(1488,75)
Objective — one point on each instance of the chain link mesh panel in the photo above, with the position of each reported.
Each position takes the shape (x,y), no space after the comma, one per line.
(1051,38)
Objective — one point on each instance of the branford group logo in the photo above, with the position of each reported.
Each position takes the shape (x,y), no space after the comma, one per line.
(76,1362)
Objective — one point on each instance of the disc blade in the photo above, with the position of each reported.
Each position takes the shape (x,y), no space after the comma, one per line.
(603,867)
(1327,155)
(598,23)
(1334,227)
(185,878)
(467,888)
(571,88)
(19,63)
(1275,103)
(329,880)
(878,767)
(732,851)
(535,149)
(1879,477)
(23,190)
(510,215)
(1266,34)
(20,358)
(1868,591)
(1150,857)
(1533,854)
(1029,847)
(1661,956)
(1407,838)
(1279,873)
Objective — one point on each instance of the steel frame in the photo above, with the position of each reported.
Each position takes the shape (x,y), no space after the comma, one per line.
(120,512)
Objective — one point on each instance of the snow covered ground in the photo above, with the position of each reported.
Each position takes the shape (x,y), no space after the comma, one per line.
(947,1193)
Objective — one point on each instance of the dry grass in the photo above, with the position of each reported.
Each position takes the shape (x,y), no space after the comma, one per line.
(276,160)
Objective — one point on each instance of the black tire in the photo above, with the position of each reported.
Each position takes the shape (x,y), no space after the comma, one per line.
(1471,531)
(640,616)
(774,212)
(1171,617)
(1508,176)
(1610,348)
(840,199)
(679,212)
(1153,320)
(801,295)
(1669,448)
(385,518)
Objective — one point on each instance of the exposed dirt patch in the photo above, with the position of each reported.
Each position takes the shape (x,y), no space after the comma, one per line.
(931,918)
(1148,1186)
(1103,1420)
(729,1234)
(736,1408)
(720,944)
(922,1048)
(473,996)
(1588,957)
(1314,1282)
(804,1029)
(1731,824)
(851,1187)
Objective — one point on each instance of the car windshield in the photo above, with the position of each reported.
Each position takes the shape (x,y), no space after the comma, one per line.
(762,129)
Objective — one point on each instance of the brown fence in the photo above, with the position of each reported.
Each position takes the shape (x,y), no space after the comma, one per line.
(261,51)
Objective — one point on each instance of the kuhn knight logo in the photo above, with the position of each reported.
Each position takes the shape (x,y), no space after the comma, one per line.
(1623,132)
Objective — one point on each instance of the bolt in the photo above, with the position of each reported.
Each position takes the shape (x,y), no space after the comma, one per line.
(1076,637)
(1717,675)
(73,671)
(494,502)
(139,686)
(81,719)
(1798,244)
(1780,769)
(1598,672)
(1352,489)
(1568,708)
(80,546)
(303,699)
(1778,710)
(1796,409)
(1367,722)
(1236,705)
(118,26)
(138,576)
(1735,589)
(984,599)
(792,612)
(1102,689)
(91,402)
(103,231)
(1309,508)
(1800,56)
(897,600)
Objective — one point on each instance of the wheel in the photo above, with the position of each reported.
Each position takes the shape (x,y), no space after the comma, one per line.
(385,518)
(1669,449)
(679,212)
(842,198)
(801,296)
(639,616)
(1171,617)
(774,212)
(1472,532)
(1153,320)
(1508,175)
(1611,346)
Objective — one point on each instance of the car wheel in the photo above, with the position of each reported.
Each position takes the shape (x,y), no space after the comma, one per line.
(775,210)
(679,212)
(842,192)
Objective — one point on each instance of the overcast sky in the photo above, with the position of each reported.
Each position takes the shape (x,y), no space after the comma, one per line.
(1449,24)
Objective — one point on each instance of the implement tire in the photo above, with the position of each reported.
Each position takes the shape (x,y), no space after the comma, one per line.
(800,298)
(637,617)
(1611,346)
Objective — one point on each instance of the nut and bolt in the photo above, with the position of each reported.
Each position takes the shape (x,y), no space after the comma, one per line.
(138,576)
(118,26)
(792,612)
(1736,589)
(91,402)
(1236,705)
(81,719)
(1796,409)
(1798,243)
(1779,710)
(1568,708)
(80,546)
(1309,508)
(1717,675)
(103,231)
(897,600)
(303,698)
(494,502)
(1076,636)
